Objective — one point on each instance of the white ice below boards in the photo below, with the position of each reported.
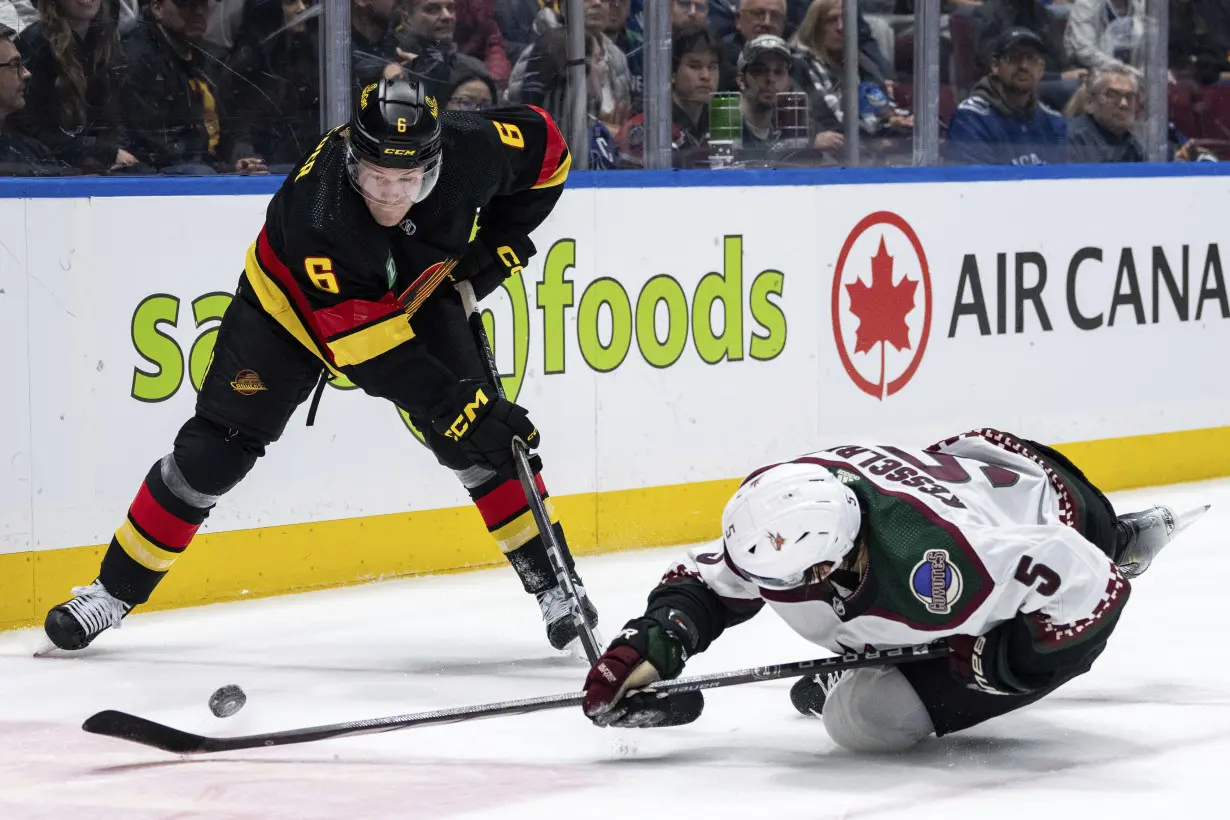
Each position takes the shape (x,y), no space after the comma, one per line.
(1145,734)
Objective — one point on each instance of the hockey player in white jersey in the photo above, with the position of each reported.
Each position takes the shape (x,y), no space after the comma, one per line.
(997,544)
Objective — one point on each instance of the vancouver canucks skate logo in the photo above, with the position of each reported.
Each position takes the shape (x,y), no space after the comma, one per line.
(936,582)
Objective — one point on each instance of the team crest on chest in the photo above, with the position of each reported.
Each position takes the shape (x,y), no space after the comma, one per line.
(936,582)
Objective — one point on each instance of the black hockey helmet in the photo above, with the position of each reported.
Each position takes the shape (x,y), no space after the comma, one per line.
(396,125)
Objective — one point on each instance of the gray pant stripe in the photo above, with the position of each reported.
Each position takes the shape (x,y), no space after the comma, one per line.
(473,476)
(177,484)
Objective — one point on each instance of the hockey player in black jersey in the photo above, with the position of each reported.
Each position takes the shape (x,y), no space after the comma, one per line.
(353,274)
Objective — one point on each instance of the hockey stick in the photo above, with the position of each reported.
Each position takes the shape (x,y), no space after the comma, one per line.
(148,733)
(555,550)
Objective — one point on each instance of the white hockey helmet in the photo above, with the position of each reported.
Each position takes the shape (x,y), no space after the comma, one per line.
(785,521)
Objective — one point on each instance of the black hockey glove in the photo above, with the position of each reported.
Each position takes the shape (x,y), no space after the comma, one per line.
(644,652)
(484,426)
(980,662)
(489,261)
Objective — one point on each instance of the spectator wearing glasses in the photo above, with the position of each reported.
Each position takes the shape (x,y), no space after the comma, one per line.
(763,73)
(1103,132)
(20,154)
(471,90)
(73,102)
(272,88)
(171,102)
(695,53)
(1003,122)
(478,35)
(753,19)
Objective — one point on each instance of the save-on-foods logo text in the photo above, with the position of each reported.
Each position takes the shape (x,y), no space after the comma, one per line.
(729,314)
(881,304)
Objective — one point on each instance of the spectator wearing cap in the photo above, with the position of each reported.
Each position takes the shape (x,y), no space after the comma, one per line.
(272,87)
(478,35)
(1002,122)
(695,52)
(763,73)
(997,17)
(73,102)
(818,69)
(471,90)
(20,155)
(753,18)
(171,103)
(1103,132)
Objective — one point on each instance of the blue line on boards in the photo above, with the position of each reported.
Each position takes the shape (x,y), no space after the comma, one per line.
(88,187)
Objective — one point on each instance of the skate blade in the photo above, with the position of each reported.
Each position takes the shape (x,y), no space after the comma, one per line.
(45,648)
(1186,519)
(576,650)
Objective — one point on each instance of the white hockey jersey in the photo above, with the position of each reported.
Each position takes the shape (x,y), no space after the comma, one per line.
(961,536)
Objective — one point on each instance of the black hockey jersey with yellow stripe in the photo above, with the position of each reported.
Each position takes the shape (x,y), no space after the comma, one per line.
(347,288)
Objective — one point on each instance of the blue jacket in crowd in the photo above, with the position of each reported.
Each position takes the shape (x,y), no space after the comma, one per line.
(985,131)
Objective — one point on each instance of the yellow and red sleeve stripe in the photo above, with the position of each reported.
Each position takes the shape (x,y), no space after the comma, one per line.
(556,161)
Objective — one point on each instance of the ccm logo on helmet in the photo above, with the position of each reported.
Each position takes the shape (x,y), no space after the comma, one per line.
(401,152)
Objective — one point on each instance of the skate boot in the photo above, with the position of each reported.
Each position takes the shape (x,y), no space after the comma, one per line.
(561,631)
(82,618)
(1141,536)
(809,694)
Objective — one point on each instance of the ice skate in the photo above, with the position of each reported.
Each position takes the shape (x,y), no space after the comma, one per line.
(809,694)
(1143,534)
(79,620)
(561,631)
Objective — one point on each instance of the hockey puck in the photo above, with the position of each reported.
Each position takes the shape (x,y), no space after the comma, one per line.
(227,701)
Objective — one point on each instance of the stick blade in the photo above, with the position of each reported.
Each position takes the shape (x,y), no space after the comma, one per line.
(124,726)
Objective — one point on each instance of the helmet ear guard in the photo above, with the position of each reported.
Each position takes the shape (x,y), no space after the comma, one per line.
(784,522)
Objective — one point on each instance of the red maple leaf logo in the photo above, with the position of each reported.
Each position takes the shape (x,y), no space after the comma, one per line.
(881,308)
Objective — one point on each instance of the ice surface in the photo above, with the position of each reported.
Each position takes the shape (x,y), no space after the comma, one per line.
(1145,734)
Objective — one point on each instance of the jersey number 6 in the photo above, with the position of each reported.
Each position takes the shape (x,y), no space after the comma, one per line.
(510,134)
(320,271)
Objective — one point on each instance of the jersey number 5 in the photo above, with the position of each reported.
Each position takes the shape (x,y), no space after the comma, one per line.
(1027,572)
(510,134)
(320,271)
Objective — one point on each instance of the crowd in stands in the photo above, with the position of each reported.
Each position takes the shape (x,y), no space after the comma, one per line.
(233,86)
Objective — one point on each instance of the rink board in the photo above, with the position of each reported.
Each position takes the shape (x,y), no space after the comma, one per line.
(667,340)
